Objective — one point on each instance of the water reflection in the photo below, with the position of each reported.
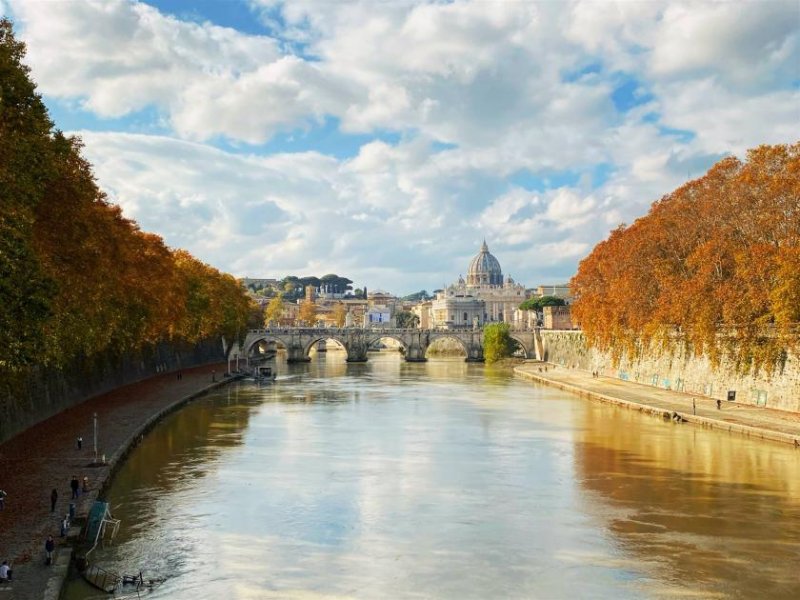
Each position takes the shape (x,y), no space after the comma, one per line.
(447,480)
(718,515)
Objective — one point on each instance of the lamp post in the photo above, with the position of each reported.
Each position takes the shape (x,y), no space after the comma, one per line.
(95,437)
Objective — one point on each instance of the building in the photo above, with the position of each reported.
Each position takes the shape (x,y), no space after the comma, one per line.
(560,290)
(381,309)
(557,317)
(484,297)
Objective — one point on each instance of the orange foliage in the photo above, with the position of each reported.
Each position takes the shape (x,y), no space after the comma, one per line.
(716,262)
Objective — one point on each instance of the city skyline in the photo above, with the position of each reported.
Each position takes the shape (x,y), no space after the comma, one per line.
(385,141)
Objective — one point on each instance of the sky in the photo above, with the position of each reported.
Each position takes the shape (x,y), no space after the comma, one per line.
(384,140)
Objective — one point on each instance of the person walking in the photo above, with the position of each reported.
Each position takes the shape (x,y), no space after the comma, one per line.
(5,572)
(694,406)
(719,404)
(53,500)
(49,548)
(80,442)
(74,484)
(3,496)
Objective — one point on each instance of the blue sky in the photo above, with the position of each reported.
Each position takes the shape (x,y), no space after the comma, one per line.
(384,141)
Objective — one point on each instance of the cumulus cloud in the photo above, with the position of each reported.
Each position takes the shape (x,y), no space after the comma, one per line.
(501,114)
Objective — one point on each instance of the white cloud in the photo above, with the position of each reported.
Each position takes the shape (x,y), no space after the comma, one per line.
(749,44)
(120,56)
(513,87)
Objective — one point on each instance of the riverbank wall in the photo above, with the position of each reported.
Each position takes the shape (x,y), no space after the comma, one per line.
(674,369)
(43,457)
(40,393)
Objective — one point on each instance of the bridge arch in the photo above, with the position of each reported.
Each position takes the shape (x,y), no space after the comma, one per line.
(522,344)
(248,350)
(452,336)
(318,338)
(374,338)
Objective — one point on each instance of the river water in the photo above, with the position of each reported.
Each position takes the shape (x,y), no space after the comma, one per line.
(447,480)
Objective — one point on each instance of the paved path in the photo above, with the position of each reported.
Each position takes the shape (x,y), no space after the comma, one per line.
(743,418)
(46,456)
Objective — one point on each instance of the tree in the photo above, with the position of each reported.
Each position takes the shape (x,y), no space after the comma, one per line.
(25,153)
(714,264)
(406,319)
(274,310)
(308,312)
(340,314)
(497,342)
(540,302)
(78,281)
(417,297)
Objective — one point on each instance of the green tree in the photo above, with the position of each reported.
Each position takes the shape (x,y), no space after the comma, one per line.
(25,156)
(418,296)
(540,302)
(406,319)
(497,342)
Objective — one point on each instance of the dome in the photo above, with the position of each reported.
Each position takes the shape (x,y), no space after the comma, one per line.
(484,269)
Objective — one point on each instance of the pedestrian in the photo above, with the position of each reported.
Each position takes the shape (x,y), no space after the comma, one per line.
(213,375)
(80,442)
(3,496)
(5,572)
(74,484)
(49,547)
(64,526)
(85,484)
(53,500)
(719,404)
(694,406)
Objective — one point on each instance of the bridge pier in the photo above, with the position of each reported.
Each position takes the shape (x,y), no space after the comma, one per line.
(475,348)
(296,354)
(416,354)
(357,345)
(417,345)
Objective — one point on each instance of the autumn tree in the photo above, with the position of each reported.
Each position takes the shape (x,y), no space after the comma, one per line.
(78,280)
(715,264)
(308,312)
(340,314)
(274,310)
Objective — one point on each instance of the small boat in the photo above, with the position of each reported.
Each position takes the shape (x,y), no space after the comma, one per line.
(264,374)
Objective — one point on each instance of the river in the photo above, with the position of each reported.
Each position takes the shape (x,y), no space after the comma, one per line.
(447,480)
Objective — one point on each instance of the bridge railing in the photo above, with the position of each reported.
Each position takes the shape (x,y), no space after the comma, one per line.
(372,330)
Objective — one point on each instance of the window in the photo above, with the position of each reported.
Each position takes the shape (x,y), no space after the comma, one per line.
(466,318)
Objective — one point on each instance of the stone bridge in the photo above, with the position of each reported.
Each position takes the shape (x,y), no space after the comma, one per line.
(299,341)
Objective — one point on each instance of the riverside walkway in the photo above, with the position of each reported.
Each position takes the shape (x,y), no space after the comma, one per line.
(770,424)
(45,457)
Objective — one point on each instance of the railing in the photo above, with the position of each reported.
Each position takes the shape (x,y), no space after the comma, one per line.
(101,578)
(371,330)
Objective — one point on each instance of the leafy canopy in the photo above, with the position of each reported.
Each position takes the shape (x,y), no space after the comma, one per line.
(497,342)
(715,263)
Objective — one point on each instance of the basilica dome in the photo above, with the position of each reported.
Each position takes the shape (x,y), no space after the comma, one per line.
(484,269)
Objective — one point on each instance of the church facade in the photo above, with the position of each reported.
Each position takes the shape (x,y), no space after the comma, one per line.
(484,297)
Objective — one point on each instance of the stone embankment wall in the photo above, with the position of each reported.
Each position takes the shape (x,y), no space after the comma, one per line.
(43,393)
(673,369)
